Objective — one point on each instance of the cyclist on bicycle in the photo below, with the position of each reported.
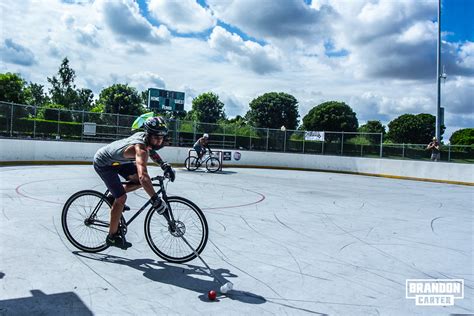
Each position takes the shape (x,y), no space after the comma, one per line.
(200,146)
(128,158)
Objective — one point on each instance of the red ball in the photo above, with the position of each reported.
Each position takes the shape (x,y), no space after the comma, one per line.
(212,295)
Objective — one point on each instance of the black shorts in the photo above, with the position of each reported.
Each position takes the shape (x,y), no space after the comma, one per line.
(110,176)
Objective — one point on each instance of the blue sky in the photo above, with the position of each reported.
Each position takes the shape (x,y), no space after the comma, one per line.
(378,56)
(457,18)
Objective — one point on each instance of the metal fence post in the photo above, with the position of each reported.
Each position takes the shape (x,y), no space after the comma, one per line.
(11,120)
(34,124)
(268,136)
(324,141)
(117,127)
(59,117)
(381,145)
(177,126)
(235,138)
(449,152)
(303,142)
(223,139)
(194,131)
(82,127)
(342,143)
(403,150)
(284,143)
(250,142)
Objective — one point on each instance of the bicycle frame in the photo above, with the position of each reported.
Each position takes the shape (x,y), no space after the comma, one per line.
(168,214)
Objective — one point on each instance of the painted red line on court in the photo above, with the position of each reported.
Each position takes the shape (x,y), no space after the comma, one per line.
(17,189)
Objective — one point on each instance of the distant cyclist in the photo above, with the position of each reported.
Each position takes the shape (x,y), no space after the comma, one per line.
(201,145)
(128,158)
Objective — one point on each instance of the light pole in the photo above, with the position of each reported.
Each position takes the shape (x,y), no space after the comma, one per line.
(438,77)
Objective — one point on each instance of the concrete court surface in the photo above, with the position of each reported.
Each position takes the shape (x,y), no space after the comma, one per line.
(292,242)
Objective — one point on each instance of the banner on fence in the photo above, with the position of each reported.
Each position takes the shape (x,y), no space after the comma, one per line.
(314,136)
(227,155)
(89,129)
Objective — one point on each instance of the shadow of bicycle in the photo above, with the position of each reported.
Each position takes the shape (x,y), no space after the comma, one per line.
(190,277)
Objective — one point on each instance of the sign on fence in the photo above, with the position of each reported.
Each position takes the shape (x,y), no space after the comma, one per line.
(89,129)
(227,155)
(319,136)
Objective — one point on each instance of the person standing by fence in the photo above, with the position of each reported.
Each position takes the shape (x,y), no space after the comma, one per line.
(434,147)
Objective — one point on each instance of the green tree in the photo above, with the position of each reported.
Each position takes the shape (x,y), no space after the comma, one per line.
(63,90)
(331,116)
(463,136)
(35,95)
(12,88)
(371,127)
(120,99)
(274,110)
(85,100)
(207,108)
(412,129)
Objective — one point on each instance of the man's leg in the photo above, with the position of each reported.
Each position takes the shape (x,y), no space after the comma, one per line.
(116,213)
(133,185)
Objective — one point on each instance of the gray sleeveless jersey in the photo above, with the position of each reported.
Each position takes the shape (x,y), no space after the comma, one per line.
(113,152)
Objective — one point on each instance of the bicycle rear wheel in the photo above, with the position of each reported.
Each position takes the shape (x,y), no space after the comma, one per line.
(191,163)
(85,222)
(166,241)
(213,164)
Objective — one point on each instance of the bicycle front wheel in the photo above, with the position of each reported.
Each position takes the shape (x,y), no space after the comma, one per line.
(213,164)
(85,220)
(191,163)
(189,223)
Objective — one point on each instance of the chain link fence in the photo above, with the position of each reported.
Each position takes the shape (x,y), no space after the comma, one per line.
(20,121)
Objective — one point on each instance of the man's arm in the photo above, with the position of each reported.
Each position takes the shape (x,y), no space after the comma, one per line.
(156,157)
(166,167)
(141,158)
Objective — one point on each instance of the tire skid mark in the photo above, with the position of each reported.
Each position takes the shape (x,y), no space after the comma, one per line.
(253,277)
(223,226)
(331,273)
(279,267)
(83,262)
(221,252)
(5,214)
(450,277)
(327,302)
(431,245)
(297,264)
(290,228)
(384,253)
(351,243)
(431,224)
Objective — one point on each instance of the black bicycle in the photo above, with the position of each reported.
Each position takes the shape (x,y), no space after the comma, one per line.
(211,162)
(178,235)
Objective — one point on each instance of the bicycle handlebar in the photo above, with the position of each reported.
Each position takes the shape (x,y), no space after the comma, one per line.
(159,178)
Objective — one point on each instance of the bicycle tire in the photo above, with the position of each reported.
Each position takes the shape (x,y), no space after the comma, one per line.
(170,247)
(190,163)
(78,208)
(213,164)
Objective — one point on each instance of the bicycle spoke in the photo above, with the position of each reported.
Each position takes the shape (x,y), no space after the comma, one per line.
(169,244)
(85,231)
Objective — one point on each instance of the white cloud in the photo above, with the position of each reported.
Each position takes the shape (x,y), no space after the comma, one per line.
(248,54)
(184,16)
(279,46)
(276,20)
(146,79)
(418,33)
(15,53)
(124,19)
